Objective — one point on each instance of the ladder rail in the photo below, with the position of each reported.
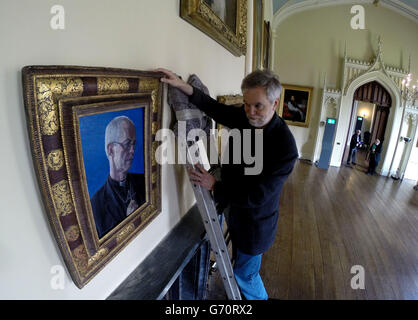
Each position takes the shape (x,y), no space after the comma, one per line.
(210,219)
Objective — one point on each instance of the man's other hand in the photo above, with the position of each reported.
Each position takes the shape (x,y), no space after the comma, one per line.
(202,177)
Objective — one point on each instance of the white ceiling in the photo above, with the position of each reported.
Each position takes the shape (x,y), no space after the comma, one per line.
(406,7)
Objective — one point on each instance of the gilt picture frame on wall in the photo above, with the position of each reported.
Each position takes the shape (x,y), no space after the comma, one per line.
(258,35)
(295,105)
(267,42)
(236,100)
(92,134)
(225,21)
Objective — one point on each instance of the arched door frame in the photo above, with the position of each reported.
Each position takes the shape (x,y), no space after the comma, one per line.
(394,121)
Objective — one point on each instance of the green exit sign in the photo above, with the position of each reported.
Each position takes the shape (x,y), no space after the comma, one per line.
(359,118)
(331,121)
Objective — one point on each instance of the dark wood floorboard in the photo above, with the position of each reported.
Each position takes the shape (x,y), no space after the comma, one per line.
(331,220)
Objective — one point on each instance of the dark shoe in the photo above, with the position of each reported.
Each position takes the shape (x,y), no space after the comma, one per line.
(354,163)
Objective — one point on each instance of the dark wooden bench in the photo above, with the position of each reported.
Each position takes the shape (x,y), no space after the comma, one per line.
(180,262)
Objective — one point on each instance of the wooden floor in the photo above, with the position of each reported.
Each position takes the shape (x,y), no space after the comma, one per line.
(331,220)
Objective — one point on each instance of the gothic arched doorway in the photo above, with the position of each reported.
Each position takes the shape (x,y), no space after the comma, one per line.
(370,113)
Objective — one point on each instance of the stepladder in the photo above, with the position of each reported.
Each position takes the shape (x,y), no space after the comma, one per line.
(210,219)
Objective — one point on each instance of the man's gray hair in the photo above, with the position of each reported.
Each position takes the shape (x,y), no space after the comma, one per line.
(113,131)
(265,79)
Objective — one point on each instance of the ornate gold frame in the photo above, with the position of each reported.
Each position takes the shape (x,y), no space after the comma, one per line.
(308,107)
(258,35)
(55,97)
(266,45)
(236,100)
(199,14)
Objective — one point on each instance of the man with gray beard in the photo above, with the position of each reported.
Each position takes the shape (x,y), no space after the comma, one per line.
(251,201)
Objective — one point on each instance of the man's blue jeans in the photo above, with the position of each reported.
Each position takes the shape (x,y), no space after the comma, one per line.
(246,271)
(352,155)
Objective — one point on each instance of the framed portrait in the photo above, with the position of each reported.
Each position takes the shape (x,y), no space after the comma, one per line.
(225,21)
(295,104)
(92,134)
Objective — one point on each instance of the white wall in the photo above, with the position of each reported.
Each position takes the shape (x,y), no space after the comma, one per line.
(411,171)
(408,161)
(132,34)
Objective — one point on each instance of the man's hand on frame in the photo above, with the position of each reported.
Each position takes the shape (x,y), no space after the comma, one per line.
(174,81)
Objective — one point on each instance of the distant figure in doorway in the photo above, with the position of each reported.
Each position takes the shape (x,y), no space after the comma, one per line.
(354,144)
(375,151)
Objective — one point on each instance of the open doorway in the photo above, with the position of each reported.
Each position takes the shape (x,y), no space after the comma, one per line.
(370,114)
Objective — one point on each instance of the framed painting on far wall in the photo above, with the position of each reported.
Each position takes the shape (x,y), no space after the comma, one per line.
(295,104)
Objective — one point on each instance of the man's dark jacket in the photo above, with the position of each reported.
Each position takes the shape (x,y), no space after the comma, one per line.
(375,156)
(111,201)
(253,199)
(355,139)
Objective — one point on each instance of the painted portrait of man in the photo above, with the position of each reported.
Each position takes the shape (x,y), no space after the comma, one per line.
(296,103)
(116,189)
